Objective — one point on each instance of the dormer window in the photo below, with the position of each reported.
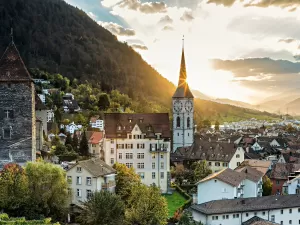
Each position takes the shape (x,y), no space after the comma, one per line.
(141,120)
(129,120)
(149,128)
(119,127)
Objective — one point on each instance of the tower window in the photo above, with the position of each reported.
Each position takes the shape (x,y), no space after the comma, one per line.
(188,122)
(6,133)
(178,121)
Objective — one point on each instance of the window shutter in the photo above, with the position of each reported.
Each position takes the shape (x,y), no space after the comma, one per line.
(150,147)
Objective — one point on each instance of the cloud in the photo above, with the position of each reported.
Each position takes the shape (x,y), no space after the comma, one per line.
(147,7)
(165,20)
(141,47)
(260,3)
(168,28)
(287,40)
(116,29)
(187,16)
(110,3)
(256,67)
(92,15)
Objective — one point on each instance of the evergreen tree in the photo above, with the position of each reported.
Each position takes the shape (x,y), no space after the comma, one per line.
(68,139)
(75,142)
(83,146)
(103,102)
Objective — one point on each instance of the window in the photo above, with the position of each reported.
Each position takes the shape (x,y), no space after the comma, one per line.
(130,136)
(112,141)
(88,194)
(153,165)
(281,211)
(142,175)
(277,181)
(129,165)
(215,217)
(188,122)
(298,209)
(178,121)
(140,165)
(290,210)
(162,165)
(129,155)
(162,175)
(290,222)
(140,155)
(237,215)
(223,217)
(153,155)
(93,145)
(281,222)
(78,180)
(217,164)
(209,163)
(264,213)
(120,155)
(273,218)
(6,133)
(238,163)
(112,161)
(227,216)
(79,193)
(237,156)
(247,214)
(178,134)
(153,175)
(69,179)
(161,156)
(88,181)
(112,151)
(255,214)
(225,164)
(78,169)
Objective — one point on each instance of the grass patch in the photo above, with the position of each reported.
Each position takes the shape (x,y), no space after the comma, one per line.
(174,202)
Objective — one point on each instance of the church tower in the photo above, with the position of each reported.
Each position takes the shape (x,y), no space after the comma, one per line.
(17,110)
(183,110)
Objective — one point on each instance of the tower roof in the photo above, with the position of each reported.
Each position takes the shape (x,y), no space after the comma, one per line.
(183,90)
(12,67)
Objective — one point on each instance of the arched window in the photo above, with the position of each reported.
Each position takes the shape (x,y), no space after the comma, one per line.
(188,122)
(238,156)
(178,121)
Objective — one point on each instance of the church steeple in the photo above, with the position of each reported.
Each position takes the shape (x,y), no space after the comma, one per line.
(183,90)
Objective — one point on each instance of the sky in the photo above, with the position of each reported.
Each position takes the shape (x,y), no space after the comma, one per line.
(244,50)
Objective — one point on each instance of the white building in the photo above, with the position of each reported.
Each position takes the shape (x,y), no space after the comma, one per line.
(95,122)
(141,141)
(230,184)
(50,115)
(256,147)
(96,145)
(88,176)
(183,111)
(280,209)
(42,97)
(72,127)
(292,186)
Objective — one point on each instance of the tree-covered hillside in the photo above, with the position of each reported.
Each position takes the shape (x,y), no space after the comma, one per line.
(56,37)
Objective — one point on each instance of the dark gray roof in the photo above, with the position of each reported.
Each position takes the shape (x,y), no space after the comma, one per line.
(96,167)
(255,220)
(251,173)
(248,204)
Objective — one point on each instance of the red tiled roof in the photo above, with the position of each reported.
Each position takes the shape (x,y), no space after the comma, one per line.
(96,137)
(12,67)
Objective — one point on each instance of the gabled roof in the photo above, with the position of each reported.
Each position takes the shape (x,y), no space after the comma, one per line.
(96,137)
(251,173)
(255,220)
(148,123)
(96,167)
(12,67)
(183,90)
(283,170)
(228,176)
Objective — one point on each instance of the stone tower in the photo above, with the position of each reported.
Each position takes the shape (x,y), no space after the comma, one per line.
(17,110)
(183,110)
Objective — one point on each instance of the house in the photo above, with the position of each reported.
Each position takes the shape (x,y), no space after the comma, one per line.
(41,81)
(229,184)
(218,155)
(279,175)
(292,186)
(279,143)
(141,141)
(96,145)
(17,109)
(95,122)
(70,105)
(256,147)
(50,91)
(280,209)
(72,127)
(289,157)
(86,177)
(50,115)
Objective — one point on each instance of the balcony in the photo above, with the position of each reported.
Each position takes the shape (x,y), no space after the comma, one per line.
(108,185)
(153,149)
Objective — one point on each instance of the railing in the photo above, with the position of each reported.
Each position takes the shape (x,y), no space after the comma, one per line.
(158,149)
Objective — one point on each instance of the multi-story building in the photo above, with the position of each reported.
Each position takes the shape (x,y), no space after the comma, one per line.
(280,209)
(96,145)
(141,141)
(230,184)
(88,176)
(183,111)
(17,109)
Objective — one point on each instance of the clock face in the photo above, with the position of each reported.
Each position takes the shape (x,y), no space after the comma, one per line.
(178,106)
(188,106)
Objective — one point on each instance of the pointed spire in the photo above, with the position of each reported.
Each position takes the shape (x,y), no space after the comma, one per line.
(12,34)
(182,75)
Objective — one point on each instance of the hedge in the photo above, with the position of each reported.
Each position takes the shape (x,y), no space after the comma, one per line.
(188,198)
(4,219)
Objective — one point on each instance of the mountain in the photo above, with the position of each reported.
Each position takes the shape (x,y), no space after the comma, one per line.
(198,94)
(235,103)
(292,107)
(54,36)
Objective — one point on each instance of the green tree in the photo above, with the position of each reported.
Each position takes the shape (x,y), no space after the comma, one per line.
(60,149)
(75,142)
(68,139)
(55,141)
(126,178)
(14,189)
(103,102)
(84,146)
(267,186)
(80,119)
(178,173)
(57,116)
(103,208)
(206,123)
(217,126)
(48,190)
(146,206)
(187,219)
(200,170)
